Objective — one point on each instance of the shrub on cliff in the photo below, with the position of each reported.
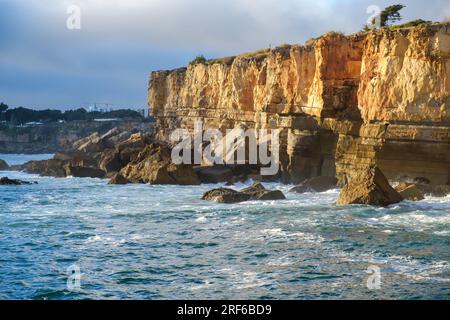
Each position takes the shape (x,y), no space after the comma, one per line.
(200,59)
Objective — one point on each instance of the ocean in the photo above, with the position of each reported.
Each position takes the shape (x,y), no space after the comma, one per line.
(164,242)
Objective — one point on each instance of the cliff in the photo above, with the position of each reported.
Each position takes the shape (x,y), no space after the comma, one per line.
(342,102)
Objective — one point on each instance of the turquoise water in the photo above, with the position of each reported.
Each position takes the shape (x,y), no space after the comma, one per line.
(163,242)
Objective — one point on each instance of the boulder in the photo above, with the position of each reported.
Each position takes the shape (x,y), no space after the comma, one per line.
(369,187)
(258,192)
(183,174)
(93,143)
(163,172)
(110,161)
(224,195)
(84,172)
(118,179)
(13,182)
(3,165)
(410,192)
(130,149)
(317,184)
(214,174)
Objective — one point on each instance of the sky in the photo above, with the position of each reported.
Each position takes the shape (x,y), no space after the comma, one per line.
(45,64)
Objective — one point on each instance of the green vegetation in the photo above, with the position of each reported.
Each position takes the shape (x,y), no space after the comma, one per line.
(3,107)
(410,24)
(391,14)
(23,115)
(334,33)
(200,59)
(387,17)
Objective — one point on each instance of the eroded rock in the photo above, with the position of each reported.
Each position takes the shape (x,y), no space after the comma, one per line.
(255,192)
(369,187)
(224,195)
(410,192)
(3,165)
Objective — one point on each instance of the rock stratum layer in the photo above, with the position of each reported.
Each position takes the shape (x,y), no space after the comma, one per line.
(342,102)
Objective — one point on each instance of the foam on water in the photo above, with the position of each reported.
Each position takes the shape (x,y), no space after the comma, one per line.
(152,242)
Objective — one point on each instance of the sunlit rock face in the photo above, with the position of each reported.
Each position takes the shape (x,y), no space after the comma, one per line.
(342,102)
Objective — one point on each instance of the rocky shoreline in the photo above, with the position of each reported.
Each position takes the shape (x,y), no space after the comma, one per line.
(124,157)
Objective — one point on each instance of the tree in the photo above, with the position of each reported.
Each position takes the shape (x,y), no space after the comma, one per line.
(391,15)
(3,107)
(387,17)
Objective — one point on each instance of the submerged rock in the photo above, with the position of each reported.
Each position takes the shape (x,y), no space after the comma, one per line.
(410,192)
(224,195)
(316,184)
(14,182)
(3,165)
(369,187)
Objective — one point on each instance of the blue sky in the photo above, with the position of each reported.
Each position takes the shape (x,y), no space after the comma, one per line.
(43,64)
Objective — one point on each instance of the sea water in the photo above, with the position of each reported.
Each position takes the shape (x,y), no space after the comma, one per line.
(164,242)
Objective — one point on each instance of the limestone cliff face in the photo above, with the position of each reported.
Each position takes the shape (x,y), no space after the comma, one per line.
(341,102)
(405,75)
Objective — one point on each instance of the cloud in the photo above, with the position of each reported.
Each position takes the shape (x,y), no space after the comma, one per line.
(121,41)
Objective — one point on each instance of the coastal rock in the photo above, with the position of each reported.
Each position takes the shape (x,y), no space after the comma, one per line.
(255,192)
(130,149)
(50,168)
(410,192)
(258,192)
(110,161)
(224,195)
(91,144)
(214,174)
(3,165)
(434,190)
(14,182)
(152,164)
(84,172)
(369,187)
(317,184)
(118,179)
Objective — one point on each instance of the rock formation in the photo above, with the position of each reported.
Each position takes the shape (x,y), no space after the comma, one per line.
(3,165)
(343,103)
(224,195)
(13,182)
(255,192)
(410,192)
(120,155)
(369,187)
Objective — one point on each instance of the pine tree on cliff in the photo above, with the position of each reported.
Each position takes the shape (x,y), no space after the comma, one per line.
(387,17)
